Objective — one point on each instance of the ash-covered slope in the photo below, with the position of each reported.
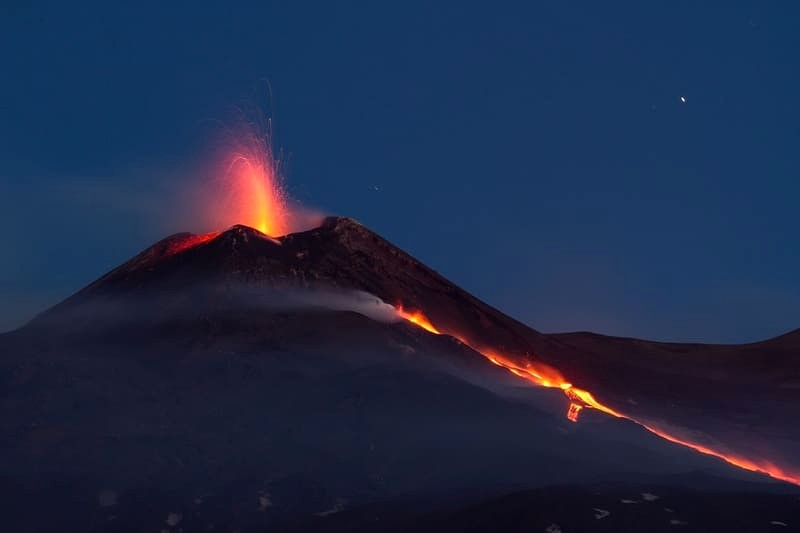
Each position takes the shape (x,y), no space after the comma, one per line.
(340,253)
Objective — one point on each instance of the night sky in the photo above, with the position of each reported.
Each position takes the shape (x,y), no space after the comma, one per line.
(540,155)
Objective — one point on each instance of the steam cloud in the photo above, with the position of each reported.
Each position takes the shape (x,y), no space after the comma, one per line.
(146,307)
(360,302)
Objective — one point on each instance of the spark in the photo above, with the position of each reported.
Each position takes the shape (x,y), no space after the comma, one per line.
(248,188)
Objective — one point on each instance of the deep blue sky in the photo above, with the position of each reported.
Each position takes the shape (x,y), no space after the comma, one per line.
(538,154)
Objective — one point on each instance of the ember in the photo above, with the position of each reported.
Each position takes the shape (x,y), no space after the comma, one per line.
(574,411)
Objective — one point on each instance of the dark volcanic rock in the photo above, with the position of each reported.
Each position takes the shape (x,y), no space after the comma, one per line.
(606,508)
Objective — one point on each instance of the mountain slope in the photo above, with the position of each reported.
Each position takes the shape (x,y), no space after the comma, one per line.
(226,369)
(732,397)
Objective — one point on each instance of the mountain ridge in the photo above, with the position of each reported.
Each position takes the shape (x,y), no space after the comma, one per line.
(184,361)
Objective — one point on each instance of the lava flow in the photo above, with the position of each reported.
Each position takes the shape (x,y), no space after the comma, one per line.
(544,375)
(190,242)
(417,318)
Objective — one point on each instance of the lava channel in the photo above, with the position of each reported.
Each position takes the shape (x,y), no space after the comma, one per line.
(544,375)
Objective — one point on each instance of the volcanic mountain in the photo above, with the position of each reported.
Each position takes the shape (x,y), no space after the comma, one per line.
(242,379)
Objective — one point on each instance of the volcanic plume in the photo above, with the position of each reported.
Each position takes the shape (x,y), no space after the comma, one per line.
(247,184)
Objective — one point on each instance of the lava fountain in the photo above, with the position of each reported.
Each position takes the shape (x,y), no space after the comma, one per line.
(249,189)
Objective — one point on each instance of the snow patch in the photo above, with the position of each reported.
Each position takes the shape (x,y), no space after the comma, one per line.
(599,514)
(264,502)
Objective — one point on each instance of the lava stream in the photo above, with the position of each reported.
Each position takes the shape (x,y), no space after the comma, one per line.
(416,317)
(544,375)
(190,242)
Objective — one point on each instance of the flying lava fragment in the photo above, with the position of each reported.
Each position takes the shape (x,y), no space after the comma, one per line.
(249,186)
(574,411)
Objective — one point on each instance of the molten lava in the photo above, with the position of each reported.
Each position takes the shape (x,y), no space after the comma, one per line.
(248,186)
(415,317)
(544,375)
(574,411)
(261,202)
(190,242)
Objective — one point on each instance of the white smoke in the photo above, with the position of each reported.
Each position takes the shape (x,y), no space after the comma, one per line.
(359,302)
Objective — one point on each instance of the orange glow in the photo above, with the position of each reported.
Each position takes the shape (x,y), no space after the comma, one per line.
(580,395)
(574,411)
(544,375)
(416,317)
(190,242)
(247,187)
(763,466)
(537,373)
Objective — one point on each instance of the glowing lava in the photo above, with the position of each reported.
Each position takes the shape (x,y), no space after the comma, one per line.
(415,317)
(248,186)
(260,200)
(189,242)
(574,411)
(544,375)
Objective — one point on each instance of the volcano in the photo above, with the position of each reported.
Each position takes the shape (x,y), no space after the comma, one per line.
(242,381)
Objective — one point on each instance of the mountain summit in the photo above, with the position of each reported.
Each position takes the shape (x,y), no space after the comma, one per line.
(341,253)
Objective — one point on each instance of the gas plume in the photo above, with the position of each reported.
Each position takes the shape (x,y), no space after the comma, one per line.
(337,300)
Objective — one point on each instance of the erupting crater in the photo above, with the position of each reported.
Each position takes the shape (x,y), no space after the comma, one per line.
(259,200)
(248,188)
